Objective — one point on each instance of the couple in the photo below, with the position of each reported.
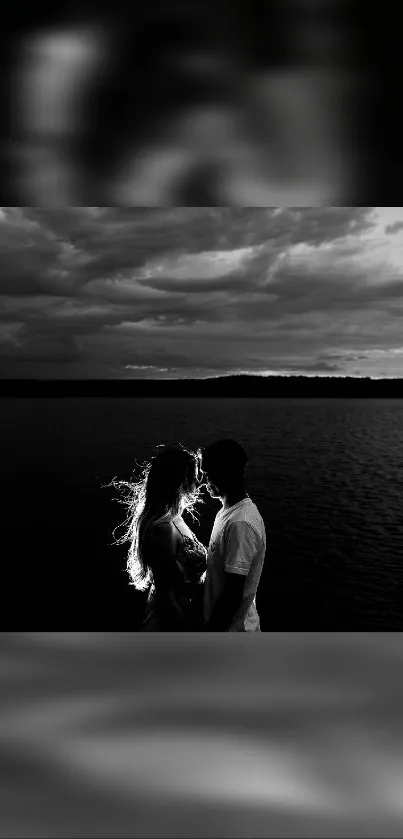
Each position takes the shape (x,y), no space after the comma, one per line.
(190,588)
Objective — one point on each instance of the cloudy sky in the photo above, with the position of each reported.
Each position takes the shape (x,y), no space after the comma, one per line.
(133,293)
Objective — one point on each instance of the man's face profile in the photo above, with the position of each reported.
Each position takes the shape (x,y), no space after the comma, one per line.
(212,482)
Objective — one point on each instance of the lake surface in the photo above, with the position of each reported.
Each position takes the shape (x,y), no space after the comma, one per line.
(326,474)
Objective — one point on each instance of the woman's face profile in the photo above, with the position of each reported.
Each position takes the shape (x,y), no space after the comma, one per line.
(194,477)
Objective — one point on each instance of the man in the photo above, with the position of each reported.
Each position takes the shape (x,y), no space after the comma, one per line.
(237,545)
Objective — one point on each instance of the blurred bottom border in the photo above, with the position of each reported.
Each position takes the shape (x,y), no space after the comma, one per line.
(117,734)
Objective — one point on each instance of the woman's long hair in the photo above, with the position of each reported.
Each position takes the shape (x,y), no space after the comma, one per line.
(164,489)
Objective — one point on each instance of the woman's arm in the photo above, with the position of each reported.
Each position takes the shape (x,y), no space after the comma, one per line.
(161,545)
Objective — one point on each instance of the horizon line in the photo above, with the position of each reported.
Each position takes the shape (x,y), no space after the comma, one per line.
(206,378)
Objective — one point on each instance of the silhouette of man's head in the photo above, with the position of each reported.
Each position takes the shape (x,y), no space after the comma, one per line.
(224,465)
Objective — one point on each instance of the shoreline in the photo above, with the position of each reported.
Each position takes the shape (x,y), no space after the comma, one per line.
(223,386)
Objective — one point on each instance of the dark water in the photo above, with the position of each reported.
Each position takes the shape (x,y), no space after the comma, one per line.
(326,474)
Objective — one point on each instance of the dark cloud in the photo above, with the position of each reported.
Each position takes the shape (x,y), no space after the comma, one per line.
(321,367)
(90,243)
(394,228)
(119,239)
(251,273)
(315,226)
(232,282)
(104,288)
(35,347)
(31,259)
(303,288)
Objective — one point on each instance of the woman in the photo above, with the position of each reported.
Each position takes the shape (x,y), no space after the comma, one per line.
(165,559)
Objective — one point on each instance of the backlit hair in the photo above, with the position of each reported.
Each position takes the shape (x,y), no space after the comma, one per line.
(163,489)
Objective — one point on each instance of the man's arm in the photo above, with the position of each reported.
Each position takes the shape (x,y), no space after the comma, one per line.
(240,547)
(227,604)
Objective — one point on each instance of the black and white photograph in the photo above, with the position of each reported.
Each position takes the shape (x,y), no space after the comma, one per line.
(201,420)
(201,424)
(202,417)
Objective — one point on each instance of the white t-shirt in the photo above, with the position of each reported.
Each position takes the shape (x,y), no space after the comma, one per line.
(237,545)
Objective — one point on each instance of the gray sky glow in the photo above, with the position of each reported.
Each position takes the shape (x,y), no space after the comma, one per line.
(137,293)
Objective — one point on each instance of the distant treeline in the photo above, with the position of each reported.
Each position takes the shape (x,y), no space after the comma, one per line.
(224,386)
